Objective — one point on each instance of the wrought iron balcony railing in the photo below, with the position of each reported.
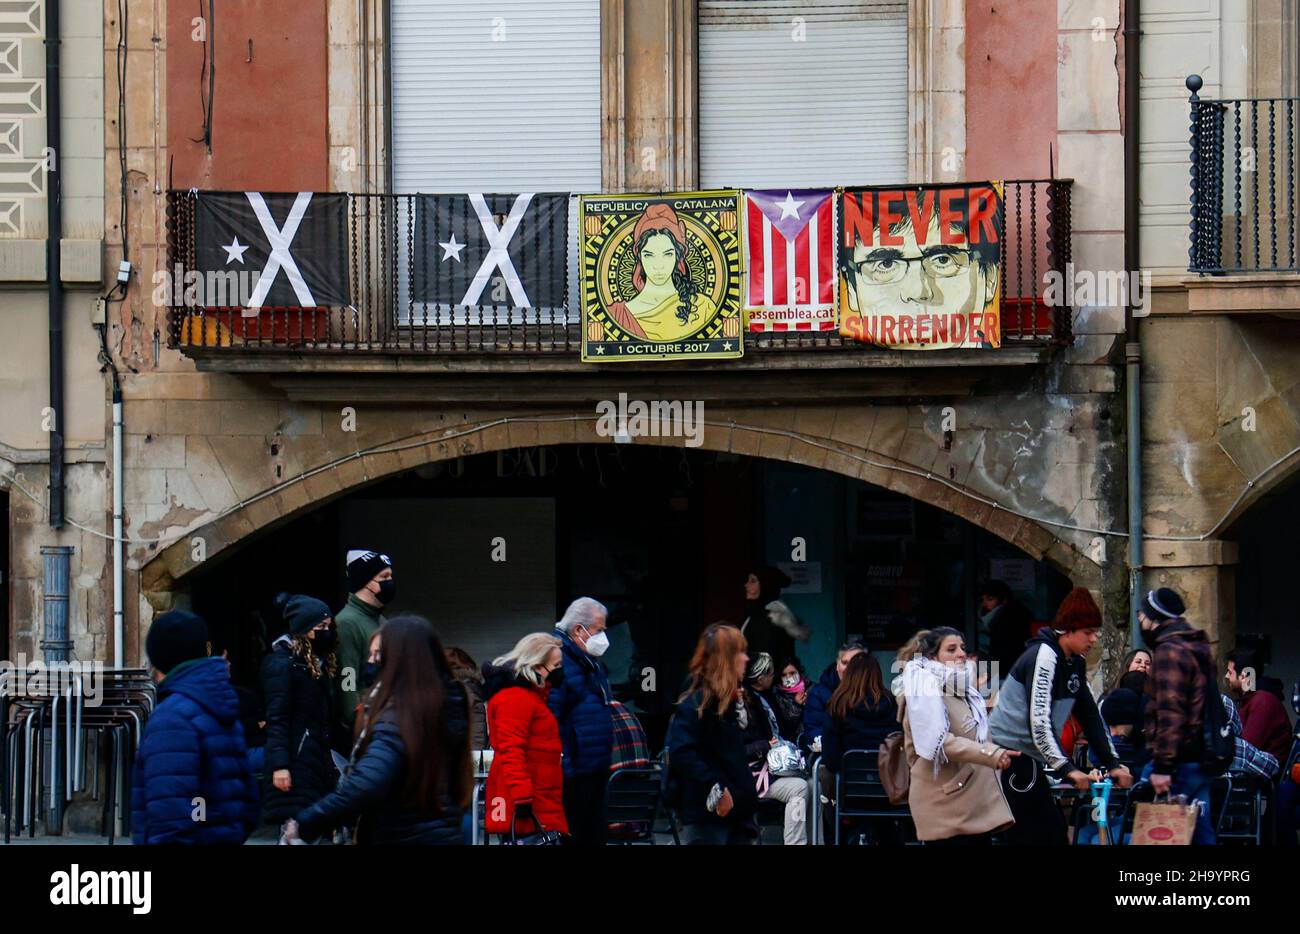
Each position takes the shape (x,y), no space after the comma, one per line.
(1243,193)
(384,319)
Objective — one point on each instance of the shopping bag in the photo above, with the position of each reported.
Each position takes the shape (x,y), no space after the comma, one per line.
(1164,823)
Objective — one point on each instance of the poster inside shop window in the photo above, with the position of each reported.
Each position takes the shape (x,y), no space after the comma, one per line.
(661,276)
(919,266)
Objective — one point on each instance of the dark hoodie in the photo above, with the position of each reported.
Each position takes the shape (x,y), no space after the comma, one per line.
(193,748)
(1038,695)
(1175,712)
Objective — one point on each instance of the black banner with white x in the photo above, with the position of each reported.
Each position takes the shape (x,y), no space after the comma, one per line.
(291,247)
(477,250)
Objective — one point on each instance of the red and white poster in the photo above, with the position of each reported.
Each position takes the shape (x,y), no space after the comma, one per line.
(790,260)
(919,266)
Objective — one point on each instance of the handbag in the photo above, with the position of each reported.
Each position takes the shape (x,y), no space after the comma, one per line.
(785,760)
(1168,823)
(537,838)
(895,773)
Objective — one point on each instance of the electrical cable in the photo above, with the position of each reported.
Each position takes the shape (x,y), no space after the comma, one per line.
(403,444)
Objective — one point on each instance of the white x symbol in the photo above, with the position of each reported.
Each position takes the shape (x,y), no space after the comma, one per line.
(280,239)
(498,257)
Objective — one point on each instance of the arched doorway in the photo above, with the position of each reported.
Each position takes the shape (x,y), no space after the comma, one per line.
(1267,618)
(492,546)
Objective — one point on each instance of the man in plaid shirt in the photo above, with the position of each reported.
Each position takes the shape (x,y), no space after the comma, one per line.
(1248,759)
(1177,689)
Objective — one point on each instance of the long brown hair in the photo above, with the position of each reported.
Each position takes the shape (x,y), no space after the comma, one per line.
(1124,665)
(862,679)
(713,667)
(412,690)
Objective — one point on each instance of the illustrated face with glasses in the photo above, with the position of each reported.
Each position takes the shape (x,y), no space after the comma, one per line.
(943,278)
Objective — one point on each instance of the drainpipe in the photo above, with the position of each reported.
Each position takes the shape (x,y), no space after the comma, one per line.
(1132,345)
(54,259)
(119,602)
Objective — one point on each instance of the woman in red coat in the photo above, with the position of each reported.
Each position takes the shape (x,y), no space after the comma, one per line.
(525,786)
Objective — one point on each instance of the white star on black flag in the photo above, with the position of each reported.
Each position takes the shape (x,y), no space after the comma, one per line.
(476,250)
(295,243)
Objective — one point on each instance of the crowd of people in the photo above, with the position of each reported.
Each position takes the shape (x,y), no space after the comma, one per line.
(370,730)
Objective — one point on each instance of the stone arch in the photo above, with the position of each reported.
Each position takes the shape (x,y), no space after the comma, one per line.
(766,438)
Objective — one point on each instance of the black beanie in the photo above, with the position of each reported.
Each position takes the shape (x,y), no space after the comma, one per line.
(175,637)
(1121,707)
(302,614)
(1163,604)
(363,566)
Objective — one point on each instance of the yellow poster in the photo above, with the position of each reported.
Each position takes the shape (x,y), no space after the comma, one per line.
(660,276)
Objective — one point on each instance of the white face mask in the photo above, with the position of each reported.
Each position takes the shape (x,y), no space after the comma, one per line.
(597,645)
(790,681)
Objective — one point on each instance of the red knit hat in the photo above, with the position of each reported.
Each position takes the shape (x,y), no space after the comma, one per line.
(1077,611)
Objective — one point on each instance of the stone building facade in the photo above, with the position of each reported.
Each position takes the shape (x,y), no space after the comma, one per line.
(222,444)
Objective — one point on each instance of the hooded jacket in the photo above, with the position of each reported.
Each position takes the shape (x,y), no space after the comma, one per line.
(581,704)
(372,791)
(1038,695)
(526,754)
(1176,692)
(193,749)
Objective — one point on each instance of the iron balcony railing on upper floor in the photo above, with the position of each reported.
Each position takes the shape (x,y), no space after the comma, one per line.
(384,319)
(1243,184)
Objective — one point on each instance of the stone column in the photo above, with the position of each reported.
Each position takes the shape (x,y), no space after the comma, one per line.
(648,95)
(1204,573)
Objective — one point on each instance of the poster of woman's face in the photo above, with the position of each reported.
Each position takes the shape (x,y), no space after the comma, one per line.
(661,276)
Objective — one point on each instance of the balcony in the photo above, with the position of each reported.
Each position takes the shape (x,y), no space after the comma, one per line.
(1243,185)
(386,332)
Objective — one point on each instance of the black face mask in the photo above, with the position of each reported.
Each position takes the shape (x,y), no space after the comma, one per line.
(387,591)
(323,642)
(555,677)
(369,674)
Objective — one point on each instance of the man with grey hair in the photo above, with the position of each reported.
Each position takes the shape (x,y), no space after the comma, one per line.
(581,704)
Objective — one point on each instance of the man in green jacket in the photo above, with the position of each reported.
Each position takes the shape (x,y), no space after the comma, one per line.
(371,586)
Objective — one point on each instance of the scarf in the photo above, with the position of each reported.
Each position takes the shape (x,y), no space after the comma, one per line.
(925,684)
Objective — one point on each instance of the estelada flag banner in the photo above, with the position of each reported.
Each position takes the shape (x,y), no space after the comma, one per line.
(480,250)
(661,276)
(790,260)
(291,246)
(919,266)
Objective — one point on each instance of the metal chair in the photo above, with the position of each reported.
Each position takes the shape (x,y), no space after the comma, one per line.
(632,805)
(1241,806)
(859,792)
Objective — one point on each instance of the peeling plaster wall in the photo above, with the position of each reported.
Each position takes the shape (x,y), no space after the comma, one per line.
(1221,418)
(193,461)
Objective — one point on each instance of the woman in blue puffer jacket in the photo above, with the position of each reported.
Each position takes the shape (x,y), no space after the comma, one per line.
(409,777)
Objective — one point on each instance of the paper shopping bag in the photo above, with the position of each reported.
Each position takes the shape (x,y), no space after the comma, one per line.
(1164,824)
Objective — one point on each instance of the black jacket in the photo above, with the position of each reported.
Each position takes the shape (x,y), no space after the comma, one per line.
(758,730)
(372,789)
(704,749)
(789,713)
(865,727)
(298,714)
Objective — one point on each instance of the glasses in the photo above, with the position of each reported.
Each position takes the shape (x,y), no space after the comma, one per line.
(889,267)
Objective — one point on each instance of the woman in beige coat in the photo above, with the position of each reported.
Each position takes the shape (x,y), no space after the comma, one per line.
(955,796)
